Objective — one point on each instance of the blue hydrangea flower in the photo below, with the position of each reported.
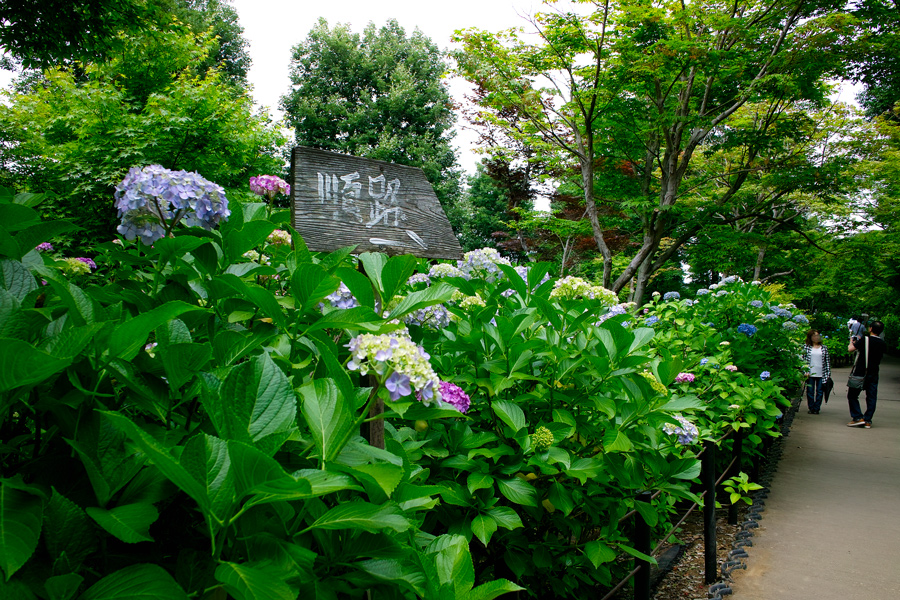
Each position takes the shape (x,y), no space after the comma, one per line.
(782,312)
(342,298)
(702,292)
(790,326)
(687,432)
(801,319)
(651,320)
(756,303)
(765,375)
(671,296)
(703,361)
(152,200)
(747,329)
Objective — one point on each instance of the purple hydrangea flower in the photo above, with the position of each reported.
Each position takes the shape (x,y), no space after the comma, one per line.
(687,432)
(152,200)
(684,378)
(269,186)
(44,247)
(398,385)
(88,262)
(454,395)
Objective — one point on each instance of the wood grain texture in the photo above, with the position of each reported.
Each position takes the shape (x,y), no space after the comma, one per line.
(340,200)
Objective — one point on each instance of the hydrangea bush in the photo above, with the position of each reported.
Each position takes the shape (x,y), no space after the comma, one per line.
(215,401)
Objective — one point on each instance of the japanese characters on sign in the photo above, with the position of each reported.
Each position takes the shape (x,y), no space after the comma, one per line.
(344,200)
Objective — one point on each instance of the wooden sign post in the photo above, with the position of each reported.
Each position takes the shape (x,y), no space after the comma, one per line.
(340,200)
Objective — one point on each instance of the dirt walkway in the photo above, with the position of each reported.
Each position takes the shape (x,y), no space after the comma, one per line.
(831,528)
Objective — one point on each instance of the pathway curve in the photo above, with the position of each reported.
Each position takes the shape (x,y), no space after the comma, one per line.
(831,528)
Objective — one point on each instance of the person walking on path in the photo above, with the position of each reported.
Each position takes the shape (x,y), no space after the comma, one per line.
(818,370)
(866,365)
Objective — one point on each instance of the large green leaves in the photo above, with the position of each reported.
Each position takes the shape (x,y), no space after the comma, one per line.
(255,401)
(21,364)
(363,515)
(129,523)
(137,582)
(328,417)
(246,582)
(129,337)
(20,525)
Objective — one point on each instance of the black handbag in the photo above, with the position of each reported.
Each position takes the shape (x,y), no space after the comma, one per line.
(857,382)
(826,389)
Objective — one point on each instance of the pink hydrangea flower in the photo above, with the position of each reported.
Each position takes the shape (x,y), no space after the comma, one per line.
(269,186)
(731,368)
(684,378)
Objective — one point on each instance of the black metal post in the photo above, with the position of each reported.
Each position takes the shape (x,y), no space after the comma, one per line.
(708,477)
(642,544)
(737,452)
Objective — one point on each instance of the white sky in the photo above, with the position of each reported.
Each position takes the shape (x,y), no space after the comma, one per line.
(273,27)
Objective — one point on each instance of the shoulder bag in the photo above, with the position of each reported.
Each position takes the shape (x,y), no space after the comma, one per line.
(858,381)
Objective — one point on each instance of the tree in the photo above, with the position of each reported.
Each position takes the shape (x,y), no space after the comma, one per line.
(77,136)
(377,95)
(42,33)
(230,54)
(874,55)
(654,90)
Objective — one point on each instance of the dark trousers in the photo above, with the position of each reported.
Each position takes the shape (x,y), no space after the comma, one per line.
(871,387)
(815,391)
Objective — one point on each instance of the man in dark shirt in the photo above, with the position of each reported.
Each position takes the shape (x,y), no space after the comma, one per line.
(869,368)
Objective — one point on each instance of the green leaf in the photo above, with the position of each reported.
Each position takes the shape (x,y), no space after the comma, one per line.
(363,515)
(479,481)
(358,284)
(245,582)
(128,338)
(207,461)
(584,469)
(518,491)
(21,364)
(506,517)
(484,528)
(31,236)
(16,279)
(453,562)
(327,416)
(373,263)
(183,361)
(250,236)
(385,475)
(169,248)
(436,294)
(130,523)
(510,413)
(254,401)
(164,461)
(647,512)
(63,587)
(257,474)
(492,589)
(83,309)
(561,498)
(691,472)
(395,273)
(682,403)
(599,553)
(310,283)
(231,346)
(257,295)
(67,531)
(137,582)
(638,554)
(20,526)
(617,441)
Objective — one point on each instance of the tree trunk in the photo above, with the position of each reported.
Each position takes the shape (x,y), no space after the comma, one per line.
(759,261)
(643,278)
(587,181)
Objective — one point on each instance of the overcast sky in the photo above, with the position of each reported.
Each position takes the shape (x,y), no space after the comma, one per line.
(273,27)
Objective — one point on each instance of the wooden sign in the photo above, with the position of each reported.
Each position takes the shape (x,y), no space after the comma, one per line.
(342,200)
